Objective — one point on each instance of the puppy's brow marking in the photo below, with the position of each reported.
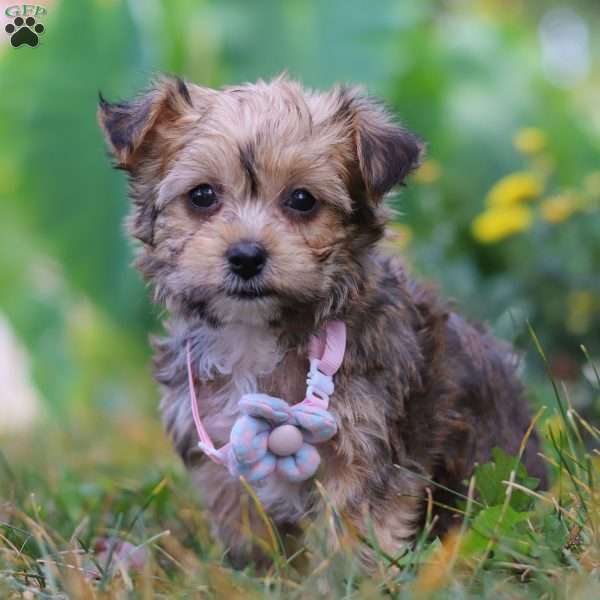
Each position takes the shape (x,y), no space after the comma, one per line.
(248,160)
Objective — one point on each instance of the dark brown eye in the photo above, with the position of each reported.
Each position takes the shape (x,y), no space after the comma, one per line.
(203,196)
(301,200)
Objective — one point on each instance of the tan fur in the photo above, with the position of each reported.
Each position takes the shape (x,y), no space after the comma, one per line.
(417,382)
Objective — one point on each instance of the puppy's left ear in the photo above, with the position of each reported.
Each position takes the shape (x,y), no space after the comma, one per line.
(127,125)
(386,152)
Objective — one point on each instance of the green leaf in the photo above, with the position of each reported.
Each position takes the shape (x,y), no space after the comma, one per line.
(489,480)
(555,531)
(488,525)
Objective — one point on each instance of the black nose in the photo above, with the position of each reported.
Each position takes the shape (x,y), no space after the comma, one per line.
(247,259)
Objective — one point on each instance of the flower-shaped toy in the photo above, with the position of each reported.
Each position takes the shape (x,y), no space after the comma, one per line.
(272,437)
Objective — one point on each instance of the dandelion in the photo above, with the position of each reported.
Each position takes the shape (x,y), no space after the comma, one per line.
(498,223)
(530,140)
(514,189)
(429,172)
(559,208)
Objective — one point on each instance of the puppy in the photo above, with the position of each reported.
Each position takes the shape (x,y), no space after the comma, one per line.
(289,183)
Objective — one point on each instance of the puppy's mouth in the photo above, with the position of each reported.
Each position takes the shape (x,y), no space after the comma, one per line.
(247,292)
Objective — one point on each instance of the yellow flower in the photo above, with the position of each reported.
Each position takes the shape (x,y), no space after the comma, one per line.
(558,208)
(514,189)
(429,172)
(530,140)
(498,223)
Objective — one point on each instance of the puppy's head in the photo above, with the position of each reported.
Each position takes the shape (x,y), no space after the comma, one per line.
(257,201)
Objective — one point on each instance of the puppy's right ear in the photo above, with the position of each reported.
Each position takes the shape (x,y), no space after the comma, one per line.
(127,125)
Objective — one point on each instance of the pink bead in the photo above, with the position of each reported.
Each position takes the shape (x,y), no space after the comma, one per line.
(285,440)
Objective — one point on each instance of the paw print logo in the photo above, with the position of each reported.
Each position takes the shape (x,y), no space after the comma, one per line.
(24,31)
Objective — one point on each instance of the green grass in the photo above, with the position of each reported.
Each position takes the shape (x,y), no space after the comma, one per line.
(63,490)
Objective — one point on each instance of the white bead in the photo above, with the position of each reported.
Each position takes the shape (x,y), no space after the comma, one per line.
(285,440)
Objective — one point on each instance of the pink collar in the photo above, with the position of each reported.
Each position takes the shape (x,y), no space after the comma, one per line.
(326,353)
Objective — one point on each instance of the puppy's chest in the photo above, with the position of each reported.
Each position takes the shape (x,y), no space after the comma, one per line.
(287,381)
(283,500)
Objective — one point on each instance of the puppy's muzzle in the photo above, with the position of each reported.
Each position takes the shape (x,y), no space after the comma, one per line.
(246,259)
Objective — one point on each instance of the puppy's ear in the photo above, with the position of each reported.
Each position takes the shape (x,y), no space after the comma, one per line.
(126,125)
(386,152)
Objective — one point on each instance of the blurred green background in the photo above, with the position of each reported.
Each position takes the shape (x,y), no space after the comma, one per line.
(504,213)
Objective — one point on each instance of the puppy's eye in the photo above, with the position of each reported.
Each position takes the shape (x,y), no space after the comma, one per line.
(301,200)
(203,196)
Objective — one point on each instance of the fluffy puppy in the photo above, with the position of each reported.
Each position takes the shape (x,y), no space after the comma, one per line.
(259,208)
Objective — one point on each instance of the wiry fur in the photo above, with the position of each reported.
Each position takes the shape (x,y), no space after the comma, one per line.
(419,387)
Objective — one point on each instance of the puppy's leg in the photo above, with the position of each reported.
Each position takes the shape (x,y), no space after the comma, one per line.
(387,525)
(235,519)
(379,510)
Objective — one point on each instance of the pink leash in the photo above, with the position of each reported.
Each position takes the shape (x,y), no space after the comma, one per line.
(203,436)
(326,353)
